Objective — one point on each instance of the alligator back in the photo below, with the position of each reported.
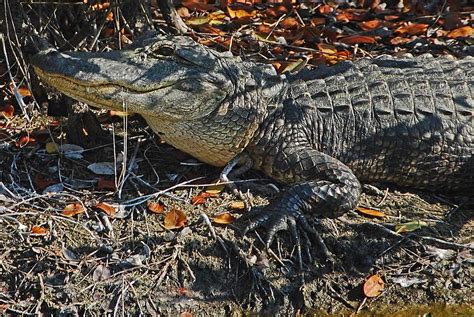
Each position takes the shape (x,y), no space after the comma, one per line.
(404,121)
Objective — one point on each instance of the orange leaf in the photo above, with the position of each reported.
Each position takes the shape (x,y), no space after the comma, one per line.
(108,209)
(175,219)
(358,39)
(464,31)
(8,111)
(73,209)
(325,9)
(39,230)
(370,25)
(224,219)
(241,13)
(318,21)
(289,23)
(412,28)
(373,286)
(370,212)
(25,140)
(344,17)
(155,207)
(200,198)
(400,40)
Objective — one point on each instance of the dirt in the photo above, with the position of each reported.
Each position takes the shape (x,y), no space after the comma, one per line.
(140,267)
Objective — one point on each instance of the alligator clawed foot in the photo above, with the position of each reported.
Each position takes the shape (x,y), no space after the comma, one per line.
(275,220)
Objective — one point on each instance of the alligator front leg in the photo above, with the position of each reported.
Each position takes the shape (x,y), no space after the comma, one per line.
(321,185)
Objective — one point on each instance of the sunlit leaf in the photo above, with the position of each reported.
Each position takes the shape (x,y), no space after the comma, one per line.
(110,210)
(155,207)
(412,28)
(241,13)
(373,286)
(224,219)
(325,9)
(197,20)
(370,212)
(73,209)
(290,23)
(200,199)
(39,230)
(370,25)
(465,31)
(410,226)
(215,190)
(175,219)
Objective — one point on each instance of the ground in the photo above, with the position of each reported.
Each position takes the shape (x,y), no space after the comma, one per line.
(138,266)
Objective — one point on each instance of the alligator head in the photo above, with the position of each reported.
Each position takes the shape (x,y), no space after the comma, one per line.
(184,90)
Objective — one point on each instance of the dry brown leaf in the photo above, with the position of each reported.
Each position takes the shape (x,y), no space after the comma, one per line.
(465,31)
(200,199)
(373,286)
(358,39)
(39,230)
(412,28)
(370,212)
(41,182)
(215,190)
(224,219)
(318,21)
(175,219)
(290,23)
(106,184)
(398,40)
(73,209)
(107,208)
(325,9)
(370,25)
(155,207)
(8,111)
(241,13)
(344,17)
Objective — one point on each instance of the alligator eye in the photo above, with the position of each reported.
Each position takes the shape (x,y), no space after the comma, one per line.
(164,50)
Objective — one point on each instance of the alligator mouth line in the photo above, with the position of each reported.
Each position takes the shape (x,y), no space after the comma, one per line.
(71,82)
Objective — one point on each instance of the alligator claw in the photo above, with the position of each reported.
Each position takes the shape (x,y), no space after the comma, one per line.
(275,220)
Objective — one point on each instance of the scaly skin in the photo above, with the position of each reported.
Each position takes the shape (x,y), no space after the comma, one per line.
(407,122)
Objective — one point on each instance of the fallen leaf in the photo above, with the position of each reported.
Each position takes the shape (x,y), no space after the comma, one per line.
(215,190)
(101,273)
(400,40)
(41,182)
(25,140)
(8,111)
(404,281)
(107,208)
(39,230)
(195,21)
(370,212)
(412,28)
(51,148)
(106,184)
(325,9)
(200,198)
(175,219)
(155,207)
(358,39)
(69,254)
(373,286)
(71,151)
(410,226)
(185,313)
(370,25)
(289,23)
(224,219)
(73,209)
(465,31)
(118,113)
(241,13)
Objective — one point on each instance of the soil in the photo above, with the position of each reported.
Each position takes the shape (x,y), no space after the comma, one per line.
(136,267)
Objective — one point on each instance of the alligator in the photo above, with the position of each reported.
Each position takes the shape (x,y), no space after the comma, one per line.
(323,132)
